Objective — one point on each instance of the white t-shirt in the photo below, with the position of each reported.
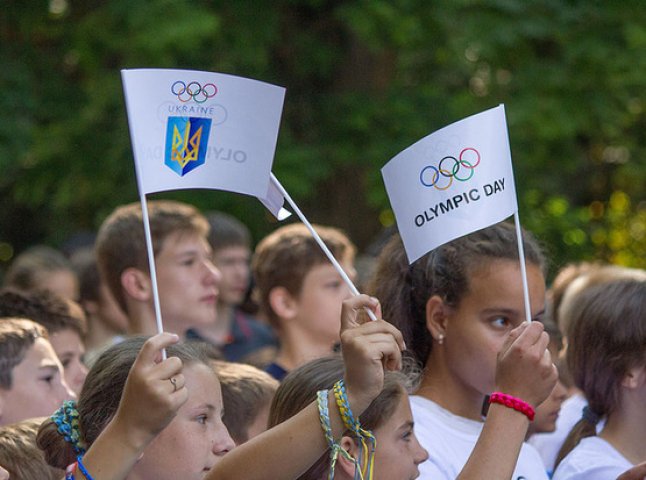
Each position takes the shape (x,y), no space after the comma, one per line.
(592,459)
(549,444)
(450,439)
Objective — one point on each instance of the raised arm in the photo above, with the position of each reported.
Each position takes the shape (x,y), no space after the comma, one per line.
(288,449)
(524,370)
(149,403)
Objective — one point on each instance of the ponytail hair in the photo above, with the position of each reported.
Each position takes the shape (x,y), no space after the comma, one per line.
(606,338)
(404,289)
(100,398)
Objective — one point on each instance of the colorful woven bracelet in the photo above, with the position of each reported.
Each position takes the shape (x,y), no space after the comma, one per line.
(513,402)
(368,441)
(335,448)
(343,405)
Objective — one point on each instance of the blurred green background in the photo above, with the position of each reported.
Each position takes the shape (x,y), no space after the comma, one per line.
(365,79)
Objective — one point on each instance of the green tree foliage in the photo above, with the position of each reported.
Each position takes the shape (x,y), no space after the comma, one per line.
(365,79)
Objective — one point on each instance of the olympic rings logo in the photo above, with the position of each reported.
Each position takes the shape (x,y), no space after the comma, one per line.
(450,167)
(193,91)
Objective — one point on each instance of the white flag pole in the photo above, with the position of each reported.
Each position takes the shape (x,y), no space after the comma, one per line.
(523,271)
(151,265)
(321,243)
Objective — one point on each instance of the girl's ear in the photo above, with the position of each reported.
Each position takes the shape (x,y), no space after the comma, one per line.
(283,303)
(437,318)
(136,284)
(634,377)
(343,464)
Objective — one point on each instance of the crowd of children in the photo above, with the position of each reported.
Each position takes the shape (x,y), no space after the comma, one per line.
(271,369)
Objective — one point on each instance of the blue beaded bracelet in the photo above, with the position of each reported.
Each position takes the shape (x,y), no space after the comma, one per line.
(82,468)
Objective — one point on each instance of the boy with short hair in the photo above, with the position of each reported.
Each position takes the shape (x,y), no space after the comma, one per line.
(301,293)
(235,332)
(65,324)
(247,393)
(186,278)
(31,376)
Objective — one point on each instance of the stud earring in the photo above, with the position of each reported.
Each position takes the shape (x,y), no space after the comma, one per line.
(440,338)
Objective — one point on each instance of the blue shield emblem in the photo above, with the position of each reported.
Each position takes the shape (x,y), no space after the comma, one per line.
(186,142)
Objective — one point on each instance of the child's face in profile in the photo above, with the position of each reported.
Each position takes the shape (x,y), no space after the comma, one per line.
(70,350)
(319,303)
(196,438)
(233,263)
(478,327)
(38,387)
(398,452)
(548,412)
(187,282)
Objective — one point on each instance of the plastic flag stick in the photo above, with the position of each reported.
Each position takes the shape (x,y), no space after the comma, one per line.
(322,244)
(523,271)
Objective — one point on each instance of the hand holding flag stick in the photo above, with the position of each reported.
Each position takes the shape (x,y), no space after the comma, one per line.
(320,242)
(192,129)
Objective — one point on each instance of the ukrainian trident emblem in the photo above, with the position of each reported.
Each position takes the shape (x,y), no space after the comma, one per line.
(186,143)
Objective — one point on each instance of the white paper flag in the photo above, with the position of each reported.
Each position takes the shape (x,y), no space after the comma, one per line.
(452,182)
(193,129)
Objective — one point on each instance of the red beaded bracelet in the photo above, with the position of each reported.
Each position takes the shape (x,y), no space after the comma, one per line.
(513,402)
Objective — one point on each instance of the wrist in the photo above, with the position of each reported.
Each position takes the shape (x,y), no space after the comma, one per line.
(358,400)
(134,439)
(513,403)
(509,416)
